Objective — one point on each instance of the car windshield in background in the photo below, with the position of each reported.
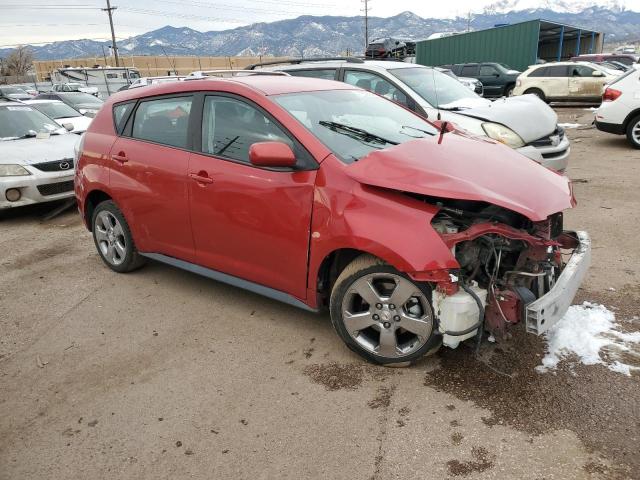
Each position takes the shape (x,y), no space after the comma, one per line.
(22,121)
(352,123)
(12,91)
(56,110)
(435,87)
(80,98)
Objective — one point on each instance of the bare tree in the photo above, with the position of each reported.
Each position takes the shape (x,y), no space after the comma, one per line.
(19,61)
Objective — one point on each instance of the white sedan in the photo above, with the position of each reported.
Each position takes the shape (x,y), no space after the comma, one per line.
(62,114)
(36,160)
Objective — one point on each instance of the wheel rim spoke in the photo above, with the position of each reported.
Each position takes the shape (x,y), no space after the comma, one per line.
(368,292)
(358,321)
(388,343)
(119,249)
(402,292)
(418,326)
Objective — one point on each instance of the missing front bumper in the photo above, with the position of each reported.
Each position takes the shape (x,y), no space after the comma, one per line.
(546,311)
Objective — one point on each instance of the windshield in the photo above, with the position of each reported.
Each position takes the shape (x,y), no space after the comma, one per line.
(12,91)
(352,123)
(22,121)
(80,98)
(56,110)
(435,87)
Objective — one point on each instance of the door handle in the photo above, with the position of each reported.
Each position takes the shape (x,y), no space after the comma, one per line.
(201,178)
(120,157)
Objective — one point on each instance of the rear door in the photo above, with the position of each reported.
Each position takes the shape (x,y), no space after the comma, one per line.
(149,175)
(582,83)
(249,222)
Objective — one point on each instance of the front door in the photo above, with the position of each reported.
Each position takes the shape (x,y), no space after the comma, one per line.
(149,176)
(249,222)
(582,83)
(491,81)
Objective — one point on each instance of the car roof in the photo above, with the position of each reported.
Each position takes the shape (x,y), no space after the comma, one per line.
(365,65)
(41,100)
(262,84)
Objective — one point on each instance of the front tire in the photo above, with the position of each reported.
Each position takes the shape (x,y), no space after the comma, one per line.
(381,314)
(538,93)
(113,239)
(633,132)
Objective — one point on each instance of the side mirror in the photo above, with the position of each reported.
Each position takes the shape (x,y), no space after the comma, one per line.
(68,127)
(271,154)
(597,73)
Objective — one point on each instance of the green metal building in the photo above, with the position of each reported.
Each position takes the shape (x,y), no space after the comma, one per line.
(517,45)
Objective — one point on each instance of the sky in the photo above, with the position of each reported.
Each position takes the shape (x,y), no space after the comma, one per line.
(42,21)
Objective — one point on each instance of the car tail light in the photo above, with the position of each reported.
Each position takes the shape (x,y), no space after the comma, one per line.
(611,94)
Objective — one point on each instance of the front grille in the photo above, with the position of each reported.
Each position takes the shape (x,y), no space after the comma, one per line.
(546,141)
(54,188)
(55,166)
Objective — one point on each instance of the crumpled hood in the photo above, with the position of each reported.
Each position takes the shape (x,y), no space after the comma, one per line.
(28,151)
(465,168)
(526,115)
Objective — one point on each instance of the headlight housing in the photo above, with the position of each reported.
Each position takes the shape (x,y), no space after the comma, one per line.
(503,134)
(13,171)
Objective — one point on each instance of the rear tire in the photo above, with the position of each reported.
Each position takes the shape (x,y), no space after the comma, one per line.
(382,314)
(508,91)
(113,239)
(538,93)
(633,132)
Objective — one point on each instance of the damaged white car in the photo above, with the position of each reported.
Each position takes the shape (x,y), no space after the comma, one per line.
(525,123)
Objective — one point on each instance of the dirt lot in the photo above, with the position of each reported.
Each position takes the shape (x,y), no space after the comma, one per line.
(163,374)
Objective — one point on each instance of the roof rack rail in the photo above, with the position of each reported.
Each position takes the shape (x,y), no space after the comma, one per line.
(295,61)
(199,74)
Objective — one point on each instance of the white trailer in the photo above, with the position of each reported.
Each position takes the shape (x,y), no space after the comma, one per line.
(107,80)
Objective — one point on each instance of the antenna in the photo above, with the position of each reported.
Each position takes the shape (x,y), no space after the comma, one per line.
(435,92)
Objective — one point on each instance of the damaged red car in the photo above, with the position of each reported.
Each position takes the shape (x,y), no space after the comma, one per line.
(326,196)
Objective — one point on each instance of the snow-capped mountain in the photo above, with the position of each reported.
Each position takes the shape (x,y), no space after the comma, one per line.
(327,35)
(558,6)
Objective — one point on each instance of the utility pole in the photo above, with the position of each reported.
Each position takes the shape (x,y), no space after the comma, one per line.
(109,11)
(366,24)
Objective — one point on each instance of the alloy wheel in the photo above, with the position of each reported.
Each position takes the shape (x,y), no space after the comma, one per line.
(635,132)
(387,315)
(110,238)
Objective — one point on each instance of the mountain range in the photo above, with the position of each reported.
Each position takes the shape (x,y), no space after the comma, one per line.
(332,35)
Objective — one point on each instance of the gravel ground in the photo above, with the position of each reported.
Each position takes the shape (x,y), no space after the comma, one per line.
(163,374)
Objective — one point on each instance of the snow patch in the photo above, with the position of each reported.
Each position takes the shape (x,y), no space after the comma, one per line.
(587,331)
(570,125)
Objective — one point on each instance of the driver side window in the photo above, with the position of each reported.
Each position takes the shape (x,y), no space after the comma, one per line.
(581,71)
(375,84)
(230,127)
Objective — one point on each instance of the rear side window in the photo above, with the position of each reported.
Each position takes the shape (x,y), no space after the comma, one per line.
(469,71)
(487,71)
(556,71)
(164,121)
(121,113)
(230,127)
(325,73)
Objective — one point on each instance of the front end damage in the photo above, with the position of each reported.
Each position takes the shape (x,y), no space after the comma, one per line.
(511,271)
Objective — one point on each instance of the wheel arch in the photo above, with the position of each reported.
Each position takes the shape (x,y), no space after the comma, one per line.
(91,201)
(633,114)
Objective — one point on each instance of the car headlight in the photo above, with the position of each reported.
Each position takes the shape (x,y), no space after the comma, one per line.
(503,134)
(13,171)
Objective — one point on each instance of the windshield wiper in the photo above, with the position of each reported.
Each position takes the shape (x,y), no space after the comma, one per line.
(417,130)
(357,133)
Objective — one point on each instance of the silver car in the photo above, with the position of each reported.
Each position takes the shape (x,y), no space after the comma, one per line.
(36,157)
(524,123)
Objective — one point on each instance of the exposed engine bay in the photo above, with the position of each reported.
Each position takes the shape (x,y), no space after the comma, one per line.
(507,262)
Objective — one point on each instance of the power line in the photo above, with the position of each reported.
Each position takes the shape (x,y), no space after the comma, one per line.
(366,23)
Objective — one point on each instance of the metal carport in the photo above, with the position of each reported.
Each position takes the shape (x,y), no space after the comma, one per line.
(518,45)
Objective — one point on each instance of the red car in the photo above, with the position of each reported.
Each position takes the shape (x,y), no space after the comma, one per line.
(323,195)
